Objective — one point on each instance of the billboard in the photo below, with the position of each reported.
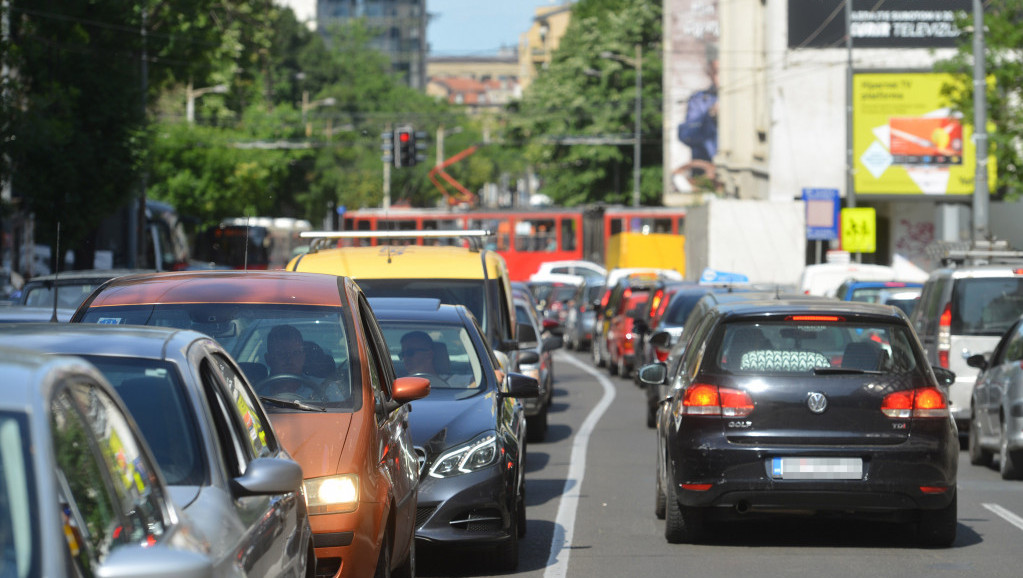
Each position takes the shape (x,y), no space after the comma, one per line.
(906,138)
(887,24)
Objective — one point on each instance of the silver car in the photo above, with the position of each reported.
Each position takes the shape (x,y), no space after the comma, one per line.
(209,434)
(79,492)
(996,423)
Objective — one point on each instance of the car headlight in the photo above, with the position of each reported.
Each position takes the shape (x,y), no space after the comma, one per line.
(471,457)
(332,494)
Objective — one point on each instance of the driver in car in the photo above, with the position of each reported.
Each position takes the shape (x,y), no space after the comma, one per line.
(417,353)
(285,356)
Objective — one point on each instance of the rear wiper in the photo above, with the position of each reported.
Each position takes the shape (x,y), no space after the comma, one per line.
(844,371)
(293,404)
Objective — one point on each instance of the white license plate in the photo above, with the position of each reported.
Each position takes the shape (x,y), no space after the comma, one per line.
(817,468)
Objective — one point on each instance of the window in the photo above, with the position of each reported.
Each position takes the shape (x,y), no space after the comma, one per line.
(19,530)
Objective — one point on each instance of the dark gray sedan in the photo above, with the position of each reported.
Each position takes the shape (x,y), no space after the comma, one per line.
(207,430)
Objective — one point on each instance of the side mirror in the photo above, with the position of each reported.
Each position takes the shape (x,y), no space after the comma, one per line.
(553,342)
(139,562)
(410,388)
(527,334)
(977,360)
(945,377)
(653,374)
(520,386)
(528,357)
(268,476)
(553,326)
(661,340)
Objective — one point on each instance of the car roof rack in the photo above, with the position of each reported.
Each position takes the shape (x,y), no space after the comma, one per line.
(985,252)
(321,239)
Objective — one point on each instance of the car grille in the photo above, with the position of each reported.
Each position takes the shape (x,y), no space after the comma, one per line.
(487,520)
(423,514)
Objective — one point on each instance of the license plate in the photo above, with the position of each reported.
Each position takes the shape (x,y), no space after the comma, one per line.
(817,468)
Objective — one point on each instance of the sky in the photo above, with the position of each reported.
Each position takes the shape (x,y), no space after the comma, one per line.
(478,27)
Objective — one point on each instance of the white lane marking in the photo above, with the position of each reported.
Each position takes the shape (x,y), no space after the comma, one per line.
(564,524)
(1005,515)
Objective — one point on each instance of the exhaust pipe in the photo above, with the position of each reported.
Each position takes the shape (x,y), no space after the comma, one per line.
(742,507)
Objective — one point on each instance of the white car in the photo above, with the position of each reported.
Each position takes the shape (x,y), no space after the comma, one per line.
(583,268)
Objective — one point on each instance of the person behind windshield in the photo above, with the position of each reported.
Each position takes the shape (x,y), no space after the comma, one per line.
(285,356)
(417,353)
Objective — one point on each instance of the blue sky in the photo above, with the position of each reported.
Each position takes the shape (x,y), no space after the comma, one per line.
(478,27)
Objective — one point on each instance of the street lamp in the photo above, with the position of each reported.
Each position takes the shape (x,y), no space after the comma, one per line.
(307,106)
(636,63)
(193,93)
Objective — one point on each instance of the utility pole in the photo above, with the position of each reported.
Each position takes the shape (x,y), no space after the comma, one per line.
(981,193)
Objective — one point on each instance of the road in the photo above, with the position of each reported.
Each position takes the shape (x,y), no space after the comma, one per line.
(590,506)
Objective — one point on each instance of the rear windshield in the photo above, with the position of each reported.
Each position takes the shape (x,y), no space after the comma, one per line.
(323,365)
(470,293)
(986,306)
(799,347)
(680,307)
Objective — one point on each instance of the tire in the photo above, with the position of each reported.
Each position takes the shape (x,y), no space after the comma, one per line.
(520,512)
(536,426)
(651,415)
(595,352)
(681,524)
(408,567)
(623,367)
(1009,461)
(937,528)
(660,500)
(383,569)
(978,455)
(310,568)
(612,363)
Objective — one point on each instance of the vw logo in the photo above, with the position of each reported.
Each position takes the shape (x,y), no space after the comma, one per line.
(817,402)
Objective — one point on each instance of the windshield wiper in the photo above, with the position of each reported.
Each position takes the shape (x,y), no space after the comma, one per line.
(293,404)
(844,371)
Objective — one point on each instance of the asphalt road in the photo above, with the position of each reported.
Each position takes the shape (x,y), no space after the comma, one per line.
(590,496)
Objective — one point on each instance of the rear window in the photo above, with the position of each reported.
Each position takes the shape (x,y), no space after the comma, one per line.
(750,347)
(680,307)
(471,293)
(986,305)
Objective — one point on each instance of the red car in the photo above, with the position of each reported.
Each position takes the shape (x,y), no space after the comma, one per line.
(622,340)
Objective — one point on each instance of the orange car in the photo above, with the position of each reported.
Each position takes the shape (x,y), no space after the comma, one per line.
(311,347)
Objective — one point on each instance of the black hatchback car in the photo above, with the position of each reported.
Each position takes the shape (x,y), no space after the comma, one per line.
(469,433)
(806,407)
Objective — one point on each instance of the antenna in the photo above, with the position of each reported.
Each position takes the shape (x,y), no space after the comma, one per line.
(246,262)
(56,276)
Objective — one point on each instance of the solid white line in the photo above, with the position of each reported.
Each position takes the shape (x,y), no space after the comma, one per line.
(1005,515)
(564,525)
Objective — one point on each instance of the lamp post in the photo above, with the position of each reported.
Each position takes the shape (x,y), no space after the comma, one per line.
(636,63)
(193,93)
(307,106)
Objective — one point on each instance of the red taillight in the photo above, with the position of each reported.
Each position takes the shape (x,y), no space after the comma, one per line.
(921,402)
(945,335)
(934,489)
(704,399)
(661,354)
(697,487)
(818,318)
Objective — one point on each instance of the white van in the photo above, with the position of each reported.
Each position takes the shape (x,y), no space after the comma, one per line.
(825,278)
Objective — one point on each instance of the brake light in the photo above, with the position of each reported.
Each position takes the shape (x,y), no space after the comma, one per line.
(945,335)
(831,318)
(921,402)
(661,354)
(705,399)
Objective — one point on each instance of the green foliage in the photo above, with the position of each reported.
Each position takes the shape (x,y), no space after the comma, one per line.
(1004,68)
(582,94)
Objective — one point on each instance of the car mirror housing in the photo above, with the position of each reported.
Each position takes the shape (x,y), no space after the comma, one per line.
(269,476)
(526,333)
(520,386)
(553,342)
(528,357)
(945,377)
(661,339)
(977,360)
(410,388)
(653,374)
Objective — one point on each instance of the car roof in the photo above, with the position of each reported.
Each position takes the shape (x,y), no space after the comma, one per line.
(21,387)
(414,309)
(222,287)
(777,307)
(989,270)
(97,339)
(74,276)
(401,262)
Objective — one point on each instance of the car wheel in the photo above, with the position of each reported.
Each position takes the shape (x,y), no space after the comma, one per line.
(1008,459)
(595,351)
(612,363)
(660,500)
(623,368)
(310,567)
(520,510)
(681,524)
(937,528)
(384,560)
(651,414)
(408,567)
(536,426)
(507,555)
(978,455)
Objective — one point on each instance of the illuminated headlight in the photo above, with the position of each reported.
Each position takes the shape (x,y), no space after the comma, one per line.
(476,455)
(332,494)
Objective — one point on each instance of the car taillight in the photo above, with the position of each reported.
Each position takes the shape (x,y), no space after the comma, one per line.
(704,399)
(661,354)
(920,402)
(945,335)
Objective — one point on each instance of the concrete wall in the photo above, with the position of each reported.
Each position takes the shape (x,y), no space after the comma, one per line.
(764,240)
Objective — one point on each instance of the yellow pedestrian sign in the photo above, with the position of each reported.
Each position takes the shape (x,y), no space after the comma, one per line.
(859,230)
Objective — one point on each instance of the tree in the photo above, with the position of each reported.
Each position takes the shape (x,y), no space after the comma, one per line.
(1003,36)
(584,95)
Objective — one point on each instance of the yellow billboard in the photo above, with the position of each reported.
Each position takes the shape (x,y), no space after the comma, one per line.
(907,140)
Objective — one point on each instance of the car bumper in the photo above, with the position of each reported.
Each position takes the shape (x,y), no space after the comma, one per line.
(470,509)
(345,543)
(741,482)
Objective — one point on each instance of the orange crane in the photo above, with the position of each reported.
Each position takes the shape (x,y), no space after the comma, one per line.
(463,195)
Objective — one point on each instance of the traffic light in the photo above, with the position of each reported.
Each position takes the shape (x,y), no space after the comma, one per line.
(404,147)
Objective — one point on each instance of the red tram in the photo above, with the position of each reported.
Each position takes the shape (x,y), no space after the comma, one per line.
(528,237)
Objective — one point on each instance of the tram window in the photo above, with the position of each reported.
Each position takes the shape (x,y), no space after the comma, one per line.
(568,235)
(535,235)
(615,226)
(662,225)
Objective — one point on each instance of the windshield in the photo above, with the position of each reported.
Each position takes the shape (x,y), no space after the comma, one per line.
(69,296)
(443,353)
(986,305)
(19,540)
(309,362)
(158,400)
(750,347)
(471,293)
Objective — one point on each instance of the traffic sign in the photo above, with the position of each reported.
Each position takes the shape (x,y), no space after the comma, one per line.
(859,230)
(822,208)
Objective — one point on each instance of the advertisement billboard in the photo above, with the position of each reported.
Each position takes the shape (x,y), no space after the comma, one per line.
(906,138)
(888,24)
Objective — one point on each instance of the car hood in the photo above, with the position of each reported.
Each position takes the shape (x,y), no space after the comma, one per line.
(446,418)
(314,440)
